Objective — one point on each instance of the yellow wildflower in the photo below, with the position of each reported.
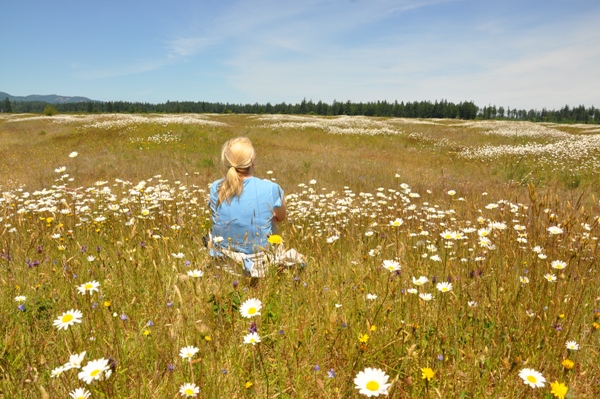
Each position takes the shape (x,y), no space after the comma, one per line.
(274,239)
(559,390)
(428,373)
(364,338)
(248,384)
(568,364)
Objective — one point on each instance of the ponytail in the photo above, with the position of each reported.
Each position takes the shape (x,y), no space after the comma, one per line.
(231,186)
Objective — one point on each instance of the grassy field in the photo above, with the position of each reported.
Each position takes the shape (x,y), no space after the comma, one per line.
(456,257)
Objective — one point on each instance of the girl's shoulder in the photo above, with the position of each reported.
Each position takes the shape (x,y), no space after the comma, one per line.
(267,184)
(214,186)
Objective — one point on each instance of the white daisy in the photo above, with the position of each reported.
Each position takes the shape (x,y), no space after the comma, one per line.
(397,223)
(532,378)
(558,264)
(572,345)
(391,265)
(187,352)
(372,382)
(554,230)
(75,361)
(67,319)
(57,372)
(90,287)
(252,338)
(93,370)
(426,297)
(444,286)
(80,393)
(195,273)
(332,239)
(250,308)
(189,390)
(420,281)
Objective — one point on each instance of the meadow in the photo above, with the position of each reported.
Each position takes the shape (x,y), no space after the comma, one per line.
(457,258)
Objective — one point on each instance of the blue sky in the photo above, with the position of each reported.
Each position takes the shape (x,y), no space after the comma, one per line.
(523,54)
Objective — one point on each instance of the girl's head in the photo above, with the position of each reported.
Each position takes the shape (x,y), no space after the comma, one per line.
(237,155)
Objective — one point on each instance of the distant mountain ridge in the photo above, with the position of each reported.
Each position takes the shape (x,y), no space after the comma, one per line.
(50,98)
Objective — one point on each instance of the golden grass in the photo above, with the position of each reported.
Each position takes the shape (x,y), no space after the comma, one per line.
(344,177)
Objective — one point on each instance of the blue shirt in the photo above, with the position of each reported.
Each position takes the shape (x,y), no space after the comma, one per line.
(246,222)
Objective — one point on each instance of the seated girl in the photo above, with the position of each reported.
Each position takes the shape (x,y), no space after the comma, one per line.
(245,212)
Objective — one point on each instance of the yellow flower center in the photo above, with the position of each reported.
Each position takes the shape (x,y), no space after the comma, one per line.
(88,286)
(67,318)
(252,311)
(372,385)
(531,379)
(189,391)
(95,373)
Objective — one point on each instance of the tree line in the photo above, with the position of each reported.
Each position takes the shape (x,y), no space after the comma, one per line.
(416,109)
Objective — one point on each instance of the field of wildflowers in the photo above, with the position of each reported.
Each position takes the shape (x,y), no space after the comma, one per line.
(447,259)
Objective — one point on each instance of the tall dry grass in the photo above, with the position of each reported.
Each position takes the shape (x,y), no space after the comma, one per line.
(129,211)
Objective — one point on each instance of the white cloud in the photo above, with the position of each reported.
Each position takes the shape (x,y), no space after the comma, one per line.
(504,62)
(111,71)
(183,47)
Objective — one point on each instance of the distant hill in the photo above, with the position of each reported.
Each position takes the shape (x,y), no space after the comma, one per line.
(50,98)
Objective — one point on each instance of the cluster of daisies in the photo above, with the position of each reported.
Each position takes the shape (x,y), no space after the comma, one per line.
(95,370)
(535,379)
(369,382)
(250,308)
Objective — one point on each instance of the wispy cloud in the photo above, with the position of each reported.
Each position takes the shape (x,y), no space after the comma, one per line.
(503,62)
(187,46)
(85,72)
(359,50)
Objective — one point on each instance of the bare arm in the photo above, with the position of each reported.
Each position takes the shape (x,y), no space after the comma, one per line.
(279,213)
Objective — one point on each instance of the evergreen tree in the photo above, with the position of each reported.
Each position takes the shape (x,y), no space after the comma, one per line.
(6,106)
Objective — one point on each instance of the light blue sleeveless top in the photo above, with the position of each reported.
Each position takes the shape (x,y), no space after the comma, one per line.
(247,221)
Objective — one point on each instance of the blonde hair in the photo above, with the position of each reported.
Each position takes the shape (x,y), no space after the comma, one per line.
(237,155)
